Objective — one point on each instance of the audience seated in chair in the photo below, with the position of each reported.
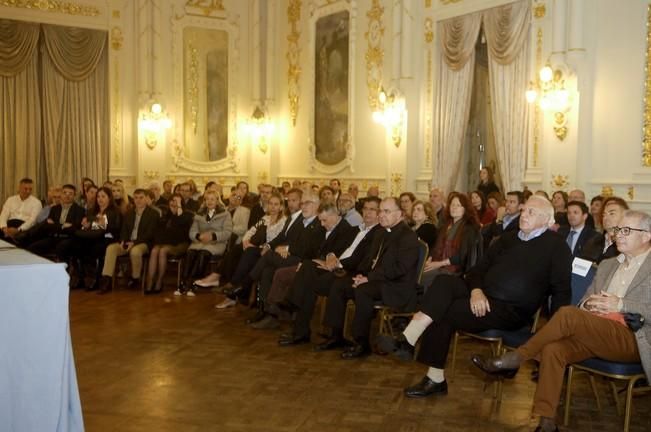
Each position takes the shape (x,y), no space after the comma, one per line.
(210,232)
(189,204)
(346,205)
(315,277)
(584,242)
(56,232)
(338,234)
(424,222)
(508,218)
(485,214)
(136,237)
(503,291)
(53,198)
(458,246)
(614,208)
(100,228)
(19,211)
(170,240)
(254,244)
(288,249)
(597,328)
(388,275)
(437,199)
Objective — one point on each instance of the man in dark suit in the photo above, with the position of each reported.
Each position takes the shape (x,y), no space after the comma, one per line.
(388,274)
(259,209)
(584,242)
(316,276)
(54,234)
(301,241)
(189,204)
(508,218)
(136,237)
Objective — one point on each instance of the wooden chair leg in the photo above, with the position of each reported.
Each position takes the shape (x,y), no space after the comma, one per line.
(568,395)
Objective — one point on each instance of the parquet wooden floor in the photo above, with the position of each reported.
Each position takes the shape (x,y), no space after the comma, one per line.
(176,364)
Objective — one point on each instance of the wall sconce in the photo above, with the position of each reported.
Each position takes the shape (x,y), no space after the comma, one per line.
(153,123)
(260,128)
(551,95)
(391,113)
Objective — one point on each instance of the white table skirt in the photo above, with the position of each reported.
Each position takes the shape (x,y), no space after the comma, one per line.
(38,381)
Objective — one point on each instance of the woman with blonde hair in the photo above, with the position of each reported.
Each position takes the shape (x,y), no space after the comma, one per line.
(210,232)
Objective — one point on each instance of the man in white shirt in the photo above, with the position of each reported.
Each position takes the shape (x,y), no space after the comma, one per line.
(19,211)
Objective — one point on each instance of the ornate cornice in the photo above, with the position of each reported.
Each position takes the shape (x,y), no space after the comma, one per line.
(293,57)
(374,52)
(55,6)
(646,129)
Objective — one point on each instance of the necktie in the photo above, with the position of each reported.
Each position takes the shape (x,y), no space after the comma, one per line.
(570,239)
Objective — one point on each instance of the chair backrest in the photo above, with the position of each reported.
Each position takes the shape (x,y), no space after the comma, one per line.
(580,284)
(423,252)
(475,253)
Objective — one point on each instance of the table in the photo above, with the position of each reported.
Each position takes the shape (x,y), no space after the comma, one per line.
(38,381)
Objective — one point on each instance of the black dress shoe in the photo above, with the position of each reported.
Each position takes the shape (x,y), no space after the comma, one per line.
(357,351)
(288,339)
(331,344)
(540,429)
(133,283)
(426,387)
(494,366)
(259,316)
(105,285)
(398,346)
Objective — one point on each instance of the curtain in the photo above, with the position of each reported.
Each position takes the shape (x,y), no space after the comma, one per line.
(54,125)
(507,36)
(458,37)
(20,120)
(75,104)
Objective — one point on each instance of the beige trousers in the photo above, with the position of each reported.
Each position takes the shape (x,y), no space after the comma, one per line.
(115,250)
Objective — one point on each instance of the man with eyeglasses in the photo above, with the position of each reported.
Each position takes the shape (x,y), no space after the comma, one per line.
(614,208)
(597,328)
(316,276)
(387,273)
(301,241)
(517,274)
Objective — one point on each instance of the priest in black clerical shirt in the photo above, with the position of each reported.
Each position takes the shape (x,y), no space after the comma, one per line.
(518,273)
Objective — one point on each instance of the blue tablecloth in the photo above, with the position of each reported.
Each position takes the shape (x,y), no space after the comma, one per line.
(38,382)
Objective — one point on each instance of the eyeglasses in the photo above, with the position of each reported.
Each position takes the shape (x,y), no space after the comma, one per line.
(625,231)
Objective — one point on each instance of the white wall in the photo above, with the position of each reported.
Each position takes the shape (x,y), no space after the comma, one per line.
(603,147)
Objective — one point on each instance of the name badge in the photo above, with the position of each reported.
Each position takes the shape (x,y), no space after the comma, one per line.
(581,267)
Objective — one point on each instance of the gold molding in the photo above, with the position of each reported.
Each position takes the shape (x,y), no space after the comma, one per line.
(428,3)
(293,57)
(559,181)
(631,193)
(428,112)
(646,128)
(374,52)
(536,110)
(607,191)
(117,120)
(447,2)
(429,30)
(539,10)
(151,174)
(117,38)
(193,87)
(207,7)
(396,184)
(55,6)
